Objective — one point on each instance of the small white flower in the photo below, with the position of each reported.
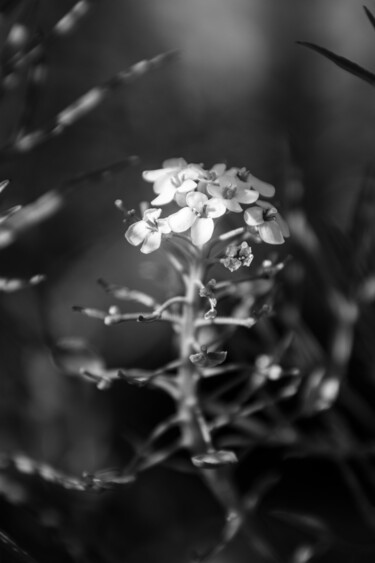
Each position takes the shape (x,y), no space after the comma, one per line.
(232,191)
(242,174)
(268,222)
(148,231)
(198,215)
(176,177)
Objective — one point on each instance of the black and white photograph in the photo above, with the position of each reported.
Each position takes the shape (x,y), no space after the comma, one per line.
(187,281)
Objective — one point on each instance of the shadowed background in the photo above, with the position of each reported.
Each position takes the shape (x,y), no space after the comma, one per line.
(240,91)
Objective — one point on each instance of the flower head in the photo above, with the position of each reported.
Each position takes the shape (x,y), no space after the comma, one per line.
(232,191)
(148,231)
(198,215)
(268,222)
(244,176)
(176,177)
(237,255)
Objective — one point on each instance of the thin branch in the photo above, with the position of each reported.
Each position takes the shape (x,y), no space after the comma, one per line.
(121,318)
(156,314)
(246,323)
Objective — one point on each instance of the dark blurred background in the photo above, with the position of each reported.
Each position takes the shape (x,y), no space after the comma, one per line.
(241,91)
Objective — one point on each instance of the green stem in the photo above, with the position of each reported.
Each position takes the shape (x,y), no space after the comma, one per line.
(196,436)
(194,428)
(194,439)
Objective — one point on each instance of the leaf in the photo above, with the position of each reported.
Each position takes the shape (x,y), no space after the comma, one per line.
(370,16)
(206,359)
(137,377)
(342,62)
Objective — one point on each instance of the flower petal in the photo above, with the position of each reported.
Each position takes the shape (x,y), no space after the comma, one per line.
(165,196)
(196,200)
(265,189)
(154,175)
(254,216)
(165,182)
(187,186)
(175,163)
(163,226)
(215,190)
(193,172)
(202,230)
(270,232)
(137,232)
(232,205)
(151,214)
(182,220)
(180,199)
(246,196)
(227,180)
(151,242)
(219,169)
(232,171)
(215,207)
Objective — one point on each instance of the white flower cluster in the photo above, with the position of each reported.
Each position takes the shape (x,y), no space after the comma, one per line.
(204,195)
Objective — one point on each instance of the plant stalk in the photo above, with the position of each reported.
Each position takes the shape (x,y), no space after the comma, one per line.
(196,437)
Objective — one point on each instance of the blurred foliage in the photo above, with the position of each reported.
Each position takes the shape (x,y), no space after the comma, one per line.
(240,90)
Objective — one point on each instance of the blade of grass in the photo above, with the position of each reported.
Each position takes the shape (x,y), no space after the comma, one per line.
(342,62)
(370,16)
